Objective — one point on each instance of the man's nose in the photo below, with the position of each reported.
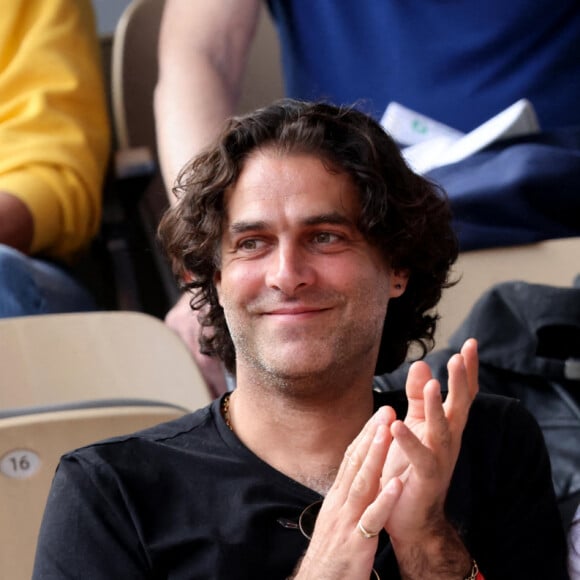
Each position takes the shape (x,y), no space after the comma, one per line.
(289,269)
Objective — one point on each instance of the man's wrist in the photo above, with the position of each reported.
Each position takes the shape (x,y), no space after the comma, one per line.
(439,555)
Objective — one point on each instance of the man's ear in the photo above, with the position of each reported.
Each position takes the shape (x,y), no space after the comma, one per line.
(399,281)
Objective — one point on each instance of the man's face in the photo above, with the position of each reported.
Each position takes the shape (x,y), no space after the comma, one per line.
(302,290)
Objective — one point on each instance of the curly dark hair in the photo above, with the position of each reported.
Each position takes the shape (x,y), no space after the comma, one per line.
(403,214)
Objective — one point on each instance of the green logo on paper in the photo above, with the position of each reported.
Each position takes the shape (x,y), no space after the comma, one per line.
(419,127)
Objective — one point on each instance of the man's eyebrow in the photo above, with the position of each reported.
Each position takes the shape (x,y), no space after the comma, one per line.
(247,226)
(334,218)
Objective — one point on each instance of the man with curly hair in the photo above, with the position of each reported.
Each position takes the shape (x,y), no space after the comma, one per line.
(306,243)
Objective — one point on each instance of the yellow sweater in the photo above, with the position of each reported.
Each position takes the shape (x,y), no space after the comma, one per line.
(54,129)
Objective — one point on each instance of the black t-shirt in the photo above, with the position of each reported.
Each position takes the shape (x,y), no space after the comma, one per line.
(187,499)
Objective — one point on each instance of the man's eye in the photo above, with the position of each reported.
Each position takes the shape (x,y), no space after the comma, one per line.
(325,238)
(249,244)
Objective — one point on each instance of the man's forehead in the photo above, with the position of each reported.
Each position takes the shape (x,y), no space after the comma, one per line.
(295,184)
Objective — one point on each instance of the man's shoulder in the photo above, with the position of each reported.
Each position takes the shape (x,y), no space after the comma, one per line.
(499,410)
(175,434)
(500,428)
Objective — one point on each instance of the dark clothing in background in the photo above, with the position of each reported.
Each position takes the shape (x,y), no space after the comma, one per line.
(518,191)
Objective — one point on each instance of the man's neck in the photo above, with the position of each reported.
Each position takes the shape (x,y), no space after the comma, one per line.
(303,436)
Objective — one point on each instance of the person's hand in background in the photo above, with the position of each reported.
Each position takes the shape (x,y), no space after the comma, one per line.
(183,320)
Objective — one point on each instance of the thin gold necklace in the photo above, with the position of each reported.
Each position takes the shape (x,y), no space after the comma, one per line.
(226,410)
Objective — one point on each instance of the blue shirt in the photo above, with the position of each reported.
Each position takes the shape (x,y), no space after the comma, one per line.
(457,61)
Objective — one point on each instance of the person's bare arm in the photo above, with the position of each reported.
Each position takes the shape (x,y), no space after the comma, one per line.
(203,50)
(16,224)
(183,321)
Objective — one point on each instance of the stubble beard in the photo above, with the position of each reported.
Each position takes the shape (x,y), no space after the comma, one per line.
(333,361)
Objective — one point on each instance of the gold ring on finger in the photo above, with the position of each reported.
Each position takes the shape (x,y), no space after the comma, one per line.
(365,533)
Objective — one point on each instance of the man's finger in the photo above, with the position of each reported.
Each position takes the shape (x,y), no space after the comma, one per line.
(366,482)
(357,451)
(419,374)
(459,398)
(419,456)
(379,511)
(437,426)
(471,361)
